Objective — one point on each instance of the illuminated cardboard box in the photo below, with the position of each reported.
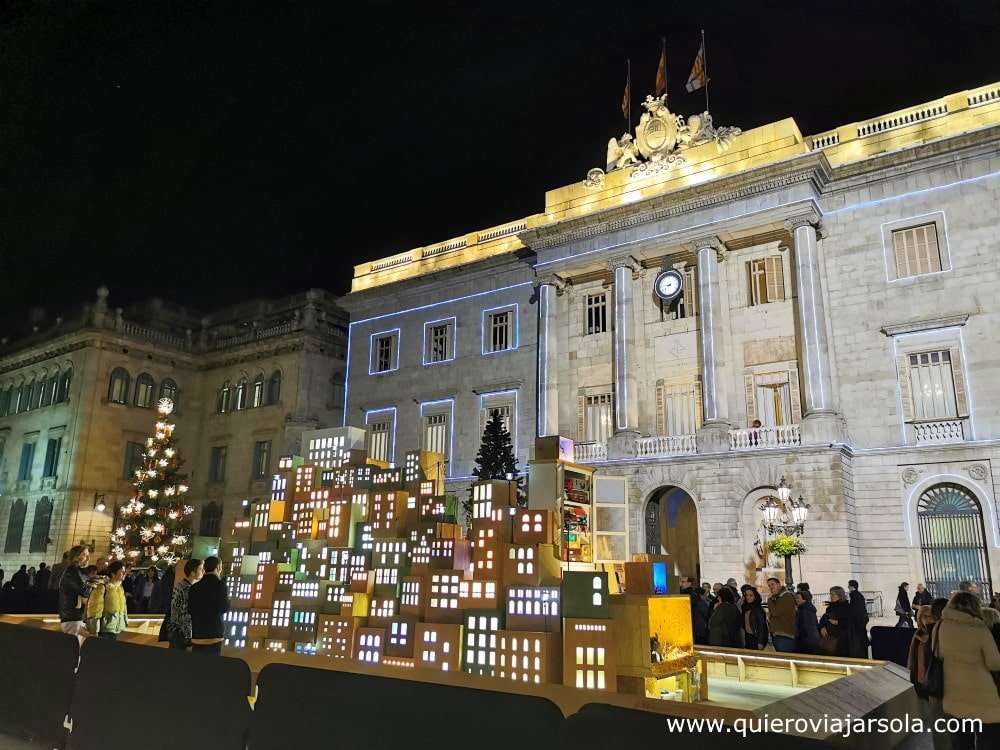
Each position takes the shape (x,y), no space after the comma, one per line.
(380,611)
(439,508)
(306,591)
(534,527)
(369,645)
(400,662)
(303,625)
(240,591)
(585,594)
(241,527)
(364,539)
(442,597)
(589,654)
(388,514)
(335,636)
(529,658)
(479,654)
(235,623)
(647,578)
(478,594)
(360,605)
(450,554)
(260,520)
(486,550)
(531,565)
(344,516)
(333,596)
(262,590)
(339,563)
(390,562)
(638,618)
(305,482)
(305,648)
(277,646)
(534,608)
(413,596)
(438,646)
(285,580)
(362,577)
(258,627)
(400,634)
(281,619)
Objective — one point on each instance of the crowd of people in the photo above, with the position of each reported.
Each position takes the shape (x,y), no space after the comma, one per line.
(95,600)
(739,617)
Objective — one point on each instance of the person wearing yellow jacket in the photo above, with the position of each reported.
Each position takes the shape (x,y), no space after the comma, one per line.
(107,615)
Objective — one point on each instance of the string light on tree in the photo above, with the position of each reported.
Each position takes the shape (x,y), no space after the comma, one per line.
(154,526)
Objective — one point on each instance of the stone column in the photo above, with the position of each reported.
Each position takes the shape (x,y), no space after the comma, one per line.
(626,394)
(821,423)
(714,433)
(548,356)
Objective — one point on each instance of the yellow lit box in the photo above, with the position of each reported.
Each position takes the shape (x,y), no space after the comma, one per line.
(638,618)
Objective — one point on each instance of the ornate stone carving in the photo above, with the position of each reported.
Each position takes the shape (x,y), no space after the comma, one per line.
(659,137)
(910,475)
(623,261)
(809,217)
(977,472)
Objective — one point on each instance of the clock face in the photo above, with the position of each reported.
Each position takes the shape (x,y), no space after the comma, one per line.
(669,285)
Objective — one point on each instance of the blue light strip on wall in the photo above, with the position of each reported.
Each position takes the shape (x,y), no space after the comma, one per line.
(515,322)
(451,427)
(371,346)
(392,455)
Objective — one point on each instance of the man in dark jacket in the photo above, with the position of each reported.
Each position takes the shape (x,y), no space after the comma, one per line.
(207,602)
(699,610)
(859,616)
(20,579)
(806,625)
(42,577)
(73,592)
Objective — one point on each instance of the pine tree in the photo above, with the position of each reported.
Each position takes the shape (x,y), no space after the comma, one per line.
(154,526)
(495,460)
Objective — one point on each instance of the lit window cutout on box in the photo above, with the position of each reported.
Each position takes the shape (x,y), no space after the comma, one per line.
(440,341)
(500,329)
(445,590)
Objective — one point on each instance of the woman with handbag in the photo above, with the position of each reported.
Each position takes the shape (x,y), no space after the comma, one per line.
(967,655)
(836,625)
(903,607)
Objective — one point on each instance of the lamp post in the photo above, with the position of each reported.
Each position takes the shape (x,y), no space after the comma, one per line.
(786,516)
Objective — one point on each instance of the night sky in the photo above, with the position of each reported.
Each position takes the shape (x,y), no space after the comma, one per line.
(207,152)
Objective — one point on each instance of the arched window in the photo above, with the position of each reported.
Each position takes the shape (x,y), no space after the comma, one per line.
(168,389)
(28,400)
(17,404)
(274,388)
(222,402)
(240,400)
(952,539)
(50,390)
(144,390)
(118,386)
(257,395)
(5,394)
(65,380)
(37,393)
(15,527)
(40,526)
(211,519)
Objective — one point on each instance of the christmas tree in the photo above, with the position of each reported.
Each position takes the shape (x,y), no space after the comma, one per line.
(495,460)
(154,526)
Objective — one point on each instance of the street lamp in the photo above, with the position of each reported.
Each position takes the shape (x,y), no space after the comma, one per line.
(783,515)
(99,505)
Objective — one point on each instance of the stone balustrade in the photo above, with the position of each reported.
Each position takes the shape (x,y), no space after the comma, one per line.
(781,436)
(586,452)
(666,445)
(943,431)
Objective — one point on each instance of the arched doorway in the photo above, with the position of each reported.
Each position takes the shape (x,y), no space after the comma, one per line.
(671,525)
(952,539)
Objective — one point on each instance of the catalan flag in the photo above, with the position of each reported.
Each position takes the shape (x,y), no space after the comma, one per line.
(661,71)
(699,72)
(627,96)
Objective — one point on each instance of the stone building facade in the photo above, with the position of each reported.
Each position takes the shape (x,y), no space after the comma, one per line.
(78,396)
(833,328)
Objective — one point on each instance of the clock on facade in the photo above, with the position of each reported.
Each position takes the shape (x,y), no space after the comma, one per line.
(669,285)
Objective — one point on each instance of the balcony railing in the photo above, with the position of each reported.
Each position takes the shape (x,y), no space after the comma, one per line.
(666,445)
(945,431)
(782,436)
(585,452)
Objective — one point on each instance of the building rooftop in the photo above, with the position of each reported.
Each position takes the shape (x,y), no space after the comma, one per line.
(949,116)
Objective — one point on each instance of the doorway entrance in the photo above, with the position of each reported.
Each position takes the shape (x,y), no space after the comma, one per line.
(671,521)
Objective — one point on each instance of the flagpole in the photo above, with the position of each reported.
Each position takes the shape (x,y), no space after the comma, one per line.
(705,61)
(666,95)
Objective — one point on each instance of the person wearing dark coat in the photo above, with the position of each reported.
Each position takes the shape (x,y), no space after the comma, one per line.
(836,627)
(20,580)
(74,588)
(42,577)
(754,620)
(859,613)
(922,598)
(806,627)
(207,603)
(903,607)
(163,605)
(725,626)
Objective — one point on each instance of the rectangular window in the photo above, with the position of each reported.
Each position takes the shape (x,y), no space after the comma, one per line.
(680,406)
(52,450)
(384,352)
(261,459)
(916,250)
(217,464)
(932,385)
(499,330)
(766,280)
(506,412)
(599,417)
(436,433)
(378,440)
(27,459)
(597,313)
(439,341)
(134,453)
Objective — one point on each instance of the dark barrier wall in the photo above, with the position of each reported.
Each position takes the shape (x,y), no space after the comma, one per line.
(299,707)
(891,644)
(133,697)
(36,683)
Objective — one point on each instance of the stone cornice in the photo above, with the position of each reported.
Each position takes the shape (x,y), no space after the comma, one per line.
(928,324)
(811,168)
